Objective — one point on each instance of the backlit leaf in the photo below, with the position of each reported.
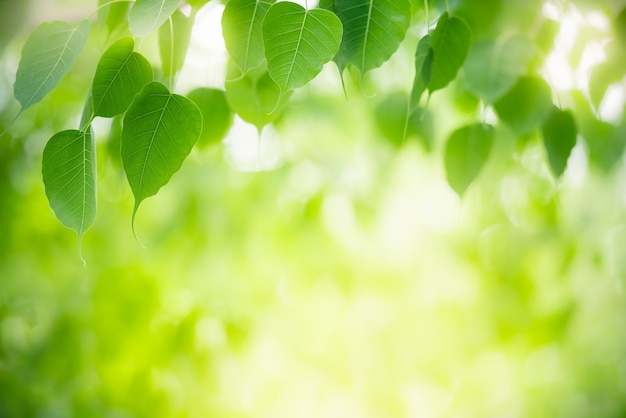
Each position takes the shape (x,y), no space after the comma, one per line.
(216,114)
(48,54)
(493,66)
(423,67)
(526,105)
(298,43)
(450,43)
(373,30)
(120,75)
(174,39)
(114,15)
(160,129)
(197,4)
(242,31)
(466,152)
(559,138)
(148,15)
(340,58)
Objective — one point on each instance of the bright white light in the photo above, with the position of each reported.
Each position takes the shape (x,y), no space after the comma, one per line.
(612,106)
(247,151)
(577,166)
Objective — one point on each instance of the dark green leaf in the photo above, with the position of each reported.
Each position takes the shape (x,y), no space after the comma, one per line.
(242,22)
(49,53)
(160,129)
(423,66)
(148,15)
(526,105)
(340,58)
(466,152)
(216,115)
(559,137)
(174,39)
(450,43)
(298,42)
(120,75)
(619,24)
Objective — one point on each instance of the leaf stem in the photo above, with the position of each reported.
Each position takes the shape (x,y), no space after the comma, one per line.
(171,69)
(427,15)
(448,7)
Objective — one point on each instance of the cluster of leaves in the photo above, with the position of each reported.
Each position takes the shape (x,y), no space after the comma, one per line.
(274,48)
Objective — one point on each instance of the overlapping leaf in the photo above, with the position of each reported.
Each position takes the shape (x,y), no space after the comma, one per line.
(120,75)
(298,43)
(114,16)
(559,138)
(373,30)
(242,22)
(174,39)
(451,40)
(423,67)
(217,116)
(526,105)
(148,15)
(160,129)
(48,54)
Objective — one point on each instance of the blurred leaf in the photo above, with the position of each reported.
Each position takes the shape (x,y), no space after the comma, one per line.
(546,35)
(298,42)
(526,105)
(493,66)
(120,75)
(197,4)
(619,25)
(115,15)
(559,138)
(48,54)
(148,15)
(160,129)
(423,67)
(242,23)
(391,119)
(606,73)
(174,42)
(69,176)
(372,30)
(482,15)
(466,152)
(13,15)
(216,114)
(450,43)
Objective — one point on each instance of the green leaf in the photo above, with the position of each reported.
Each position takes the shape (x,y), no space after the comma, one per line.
(160,129)
(619,25)
(148,15)
(493,66)
(340,59)
(174,42)
(559,138)
(450,42)
(465,155)
(69,177)
(298,43)
(113,16)
(48,54)
(120,75)
(217,117)
(197,4)
(526,105)
(607,72)
(423,67)
(373,30)
(242,22)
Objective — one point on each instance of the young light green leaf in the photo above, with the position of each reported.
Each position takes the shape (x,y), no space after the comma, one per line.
(173,42)
(466,152)
(242,23)
(69,177)
(216,114)
(114,16)
(298,43)
(48,54)
(197,4)
(373,30)
(526,105)
(147,15)
(559,138)
(120,75)
(450,42)
(423,66)
(160,129)
(493,66)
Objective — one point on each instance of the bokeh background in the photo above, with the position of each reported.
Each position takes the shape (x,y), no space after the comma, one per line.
(325,268)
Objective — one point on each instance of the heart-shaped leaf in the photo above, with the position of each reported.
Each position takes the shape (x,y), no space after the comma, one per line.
(120,75)
(493,66)
(174,39)
(423,67)
(160,129)
(526,105)
(48,54)
(216,115)
(298,42)
(559,138)
(451,40)
(148,15)
(465,155)
(373,30)
(242,23)
(69,177)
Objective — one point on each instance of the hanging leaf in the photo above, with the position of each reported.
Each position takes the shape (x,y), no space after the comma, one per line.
(173,42)
(559,138)
(298,42)
(373,30)
(160,129)
(526,105)
(48,54)
(114,15)
(450,42)
(340,59)
(493,66)
(619,25)
(69,177)
(242,22)
(120,75)
(606,73)
(197,4)
(148,15)
(217,117)
(466,152)
(423,67)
